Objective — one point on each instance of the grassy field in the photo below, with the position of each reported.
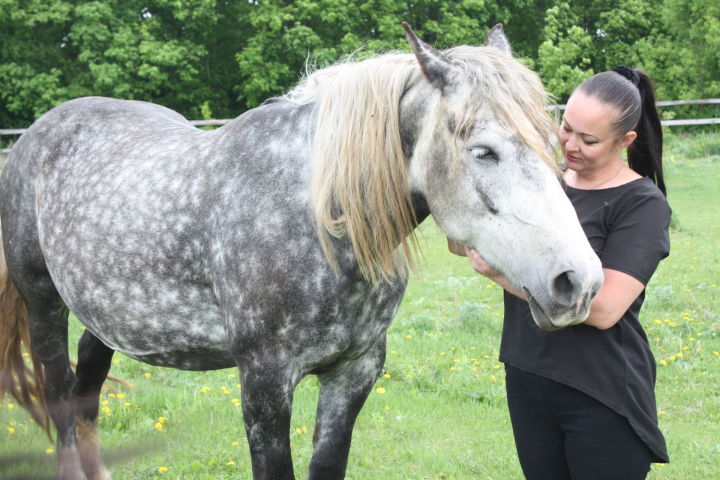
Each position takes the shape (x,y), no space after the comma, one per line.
(439,411)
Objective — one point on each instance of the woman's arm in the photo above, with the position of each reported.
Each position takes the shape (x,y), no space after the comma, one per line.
(618,292)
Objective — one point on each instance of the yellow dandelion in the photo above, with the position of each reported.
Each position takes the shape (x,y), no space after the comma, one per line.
(162,420)
(50,451)
(105,409)
(238,385)
(116,361)
(147,375)
(10,405)
(452,369)
(407,375)
(663,362)
(205,389)
(159,427)
(120,396)
(387,409)
(111,395)
(231,375)
(493,378)
(25,354)
(127,404)
(380,390)
(105,402)
(10,430)
(234,444)
(456,360)
(231,463)
(408,336)
(486,356)
(393,352)
(387,375)
(162,469)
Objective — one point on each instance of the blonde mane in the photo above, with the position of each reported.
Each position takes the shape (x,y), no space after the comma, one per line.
(360,188)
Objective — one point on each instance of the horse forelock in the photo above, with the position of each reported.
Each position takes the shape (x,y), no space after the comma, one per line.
(512,91)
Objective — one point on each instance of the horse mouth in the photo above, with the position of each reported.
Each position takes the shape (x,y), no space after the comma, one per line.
(542,319)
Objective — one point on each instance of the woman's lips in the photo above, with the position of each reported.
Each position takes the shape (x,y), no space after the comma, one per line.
(571,158)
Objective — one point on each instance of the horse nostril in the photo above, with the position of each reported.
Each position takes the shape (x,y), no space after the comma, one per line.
(565,288)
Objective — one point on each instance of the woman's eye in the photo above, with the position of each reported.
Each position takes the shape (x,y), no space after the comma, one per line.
(483,153)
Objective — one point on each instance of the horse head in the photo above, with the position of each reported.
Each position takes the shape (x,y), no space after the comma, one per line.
(479,145)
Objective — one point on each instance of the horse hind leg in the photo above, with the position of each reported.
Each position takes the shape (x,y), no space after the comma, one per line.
(33,314)
(94,360)
(48,320)
(343,392)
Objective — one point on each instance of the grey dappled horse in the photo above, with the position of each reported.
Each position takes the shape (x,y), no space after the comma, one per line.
(278,243)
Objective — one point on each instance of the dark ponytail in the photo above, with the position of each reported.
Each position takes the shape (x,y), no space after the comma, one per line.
(645,153)
(632,93)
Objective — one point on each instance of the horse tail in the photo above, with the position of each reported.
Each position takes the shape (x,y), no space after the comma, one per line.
(16,378)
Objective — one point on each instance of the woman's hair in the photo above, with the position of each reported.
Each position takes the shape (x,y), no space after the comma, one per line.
(632,94)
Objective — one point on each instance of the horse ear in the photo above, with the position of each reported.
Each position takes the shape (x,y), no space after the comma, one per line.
(434,65)
(496,38)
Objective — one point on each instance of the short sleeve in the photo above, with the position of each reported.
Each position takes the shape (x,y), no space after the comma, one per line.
(638,236)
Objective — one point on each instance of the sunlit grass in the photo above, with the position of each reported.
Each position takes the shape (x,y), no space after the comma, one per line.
(438,411)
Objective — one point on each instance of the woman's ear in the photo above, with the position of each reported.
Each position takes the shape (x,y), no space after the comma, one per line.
(628,138)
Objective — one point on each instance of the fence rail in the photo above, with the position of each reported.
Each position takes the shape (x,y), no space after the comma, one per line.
(555,108)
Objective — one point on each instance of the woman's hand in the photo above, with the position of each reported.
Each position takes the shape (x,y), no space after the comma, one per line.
(456,248)
(476,261)
(480,265)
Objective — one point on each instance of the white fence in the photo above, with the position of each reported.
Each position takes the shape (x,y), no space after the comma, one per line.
(556,108)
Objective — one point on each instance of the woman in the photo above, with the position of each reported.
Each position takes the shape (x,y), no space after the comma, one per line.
(581,399)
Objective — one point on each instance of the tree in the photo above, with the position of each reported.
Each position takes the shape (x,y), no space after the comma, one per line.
(564,57)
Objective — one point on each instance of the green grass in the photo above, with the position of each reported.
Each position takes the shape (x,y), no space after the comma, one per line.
(442,414)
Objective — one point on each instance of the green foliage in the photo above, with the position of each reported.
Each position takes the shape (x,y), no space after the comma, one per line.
(564,55)
(221,56)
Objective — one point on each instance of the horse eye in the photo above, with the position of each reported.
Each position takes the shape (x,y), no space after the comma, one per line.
(483,153)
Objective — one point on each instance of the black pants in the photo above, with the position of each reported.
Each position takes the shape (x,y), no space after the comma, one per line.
(564,434)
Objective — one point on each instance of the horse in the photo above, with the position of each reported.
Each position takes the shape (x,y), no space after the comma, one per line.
(280,243)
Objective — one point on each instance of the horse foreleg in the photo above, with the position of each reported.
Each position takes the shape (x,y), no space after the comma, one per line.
(343,392)
(267,405)
(93,366)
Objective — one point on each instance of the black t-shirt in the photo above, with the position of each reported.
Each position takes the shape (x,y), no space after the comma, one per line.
(627,226)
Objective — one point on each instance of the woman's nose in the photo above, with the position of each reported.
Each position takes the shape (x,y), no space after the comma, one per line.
(570,144)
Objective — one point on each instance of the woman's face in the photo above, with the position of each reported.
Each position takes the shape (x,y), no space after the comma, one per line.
(586,135)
